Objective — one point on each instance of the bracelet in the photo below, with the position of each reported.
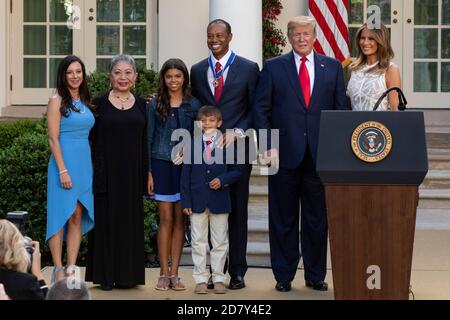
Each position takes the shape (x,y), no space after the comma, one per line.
(64,171)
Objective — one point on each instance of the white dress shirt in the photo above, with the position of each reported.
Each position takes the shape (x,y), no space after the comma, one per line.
(212,139)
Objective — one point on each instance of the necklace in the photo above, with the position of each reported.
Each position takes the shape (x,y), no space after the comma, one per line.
(123,100)
(76,96)
(77,100)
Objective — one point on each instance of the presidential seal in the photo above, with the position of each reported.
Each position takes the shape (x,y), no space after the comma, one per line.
(371,141)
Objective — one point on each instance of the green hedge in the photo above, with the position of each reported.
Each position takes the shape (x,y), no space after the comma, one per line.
(10,132)
(23,175)
(24,156)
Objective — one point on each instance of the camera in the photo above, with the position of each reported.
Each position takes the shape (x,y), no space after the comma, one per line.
(29,249)
(19,218)
(28,246)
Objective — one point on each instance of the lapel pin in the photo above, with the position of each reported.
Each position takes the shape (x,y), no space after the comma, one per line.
(322,66)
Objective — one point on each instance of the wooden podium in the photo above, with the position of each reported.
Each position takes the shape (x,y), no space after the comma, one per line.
(371,164)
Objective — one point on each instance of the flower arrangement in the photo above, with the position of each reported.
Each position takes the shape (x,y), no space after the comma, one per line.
(273,38)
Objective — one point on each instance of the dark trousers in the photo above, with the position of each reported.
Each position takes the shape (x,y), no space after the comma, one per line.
(287,189)
(238,224)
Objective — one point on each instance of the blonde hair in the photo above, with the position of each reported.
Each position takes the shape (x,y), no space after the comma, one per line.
(13,255)
(301,21)
(384,52)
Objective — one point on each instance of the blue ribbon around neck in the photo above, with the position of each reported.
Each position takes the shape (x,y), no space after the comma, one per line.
(213,69)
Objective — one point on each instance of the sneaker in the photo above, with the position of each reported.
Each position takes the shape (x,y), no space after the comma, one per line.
(219,288)
(201,288)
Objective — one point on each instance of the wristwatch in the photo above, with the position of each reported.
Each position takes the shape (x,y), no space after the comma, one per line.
(240,133)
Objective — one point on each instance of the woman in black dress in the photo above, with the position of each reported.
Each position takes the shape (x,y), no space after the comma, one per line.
(116,244)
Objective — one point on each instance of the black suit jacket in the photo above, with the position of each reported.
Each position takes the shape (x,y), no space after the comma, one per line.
(22,286)
(237,95)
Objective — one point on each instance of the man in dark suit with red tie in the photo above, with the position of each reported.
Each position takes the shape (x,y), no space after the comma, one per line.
(228,81)
(292,91)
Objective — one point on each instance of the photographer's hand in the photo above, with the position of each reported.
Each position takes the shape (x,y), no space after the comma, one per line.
(3,295)
(36,263)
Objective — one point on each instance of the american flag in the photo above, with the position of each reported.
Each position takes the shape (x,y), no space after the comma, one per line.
(332,28)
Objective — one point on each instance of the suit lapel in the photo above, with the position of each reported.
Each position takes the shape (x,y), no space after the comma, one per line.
(319,73)
(204,76)
(292,73)
(231,76)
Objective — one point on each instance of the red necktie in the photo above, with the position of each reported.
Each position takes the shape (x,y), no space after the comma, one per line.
(305,84)
(208,150)
(218,90)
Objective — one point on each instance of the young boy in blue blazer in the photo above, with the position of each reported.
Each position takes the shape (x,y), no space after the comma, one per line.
(205,198)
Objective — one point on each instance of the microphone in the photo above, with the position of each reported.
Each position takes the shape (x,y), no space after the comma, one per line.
(401,98)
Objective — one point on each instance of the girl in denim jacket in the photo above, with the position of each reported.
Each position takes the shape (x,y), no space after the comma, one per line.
(173,108)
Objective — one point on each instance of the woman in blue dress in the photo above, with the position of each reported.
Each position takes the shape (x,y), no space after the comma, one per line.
(70,202)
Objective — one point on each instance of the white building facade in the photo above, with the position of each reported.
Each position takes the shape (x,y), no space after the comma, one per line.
(35,35)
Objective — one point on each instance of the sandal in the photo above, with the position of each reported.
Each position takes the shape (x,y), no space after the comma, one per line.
(176,284)
(71,270)
(54,272)
(163,283)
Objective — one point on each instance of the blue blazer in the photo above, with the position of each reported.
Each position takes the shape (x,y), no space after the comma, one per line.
(279,104)
(195,191)
(238,91)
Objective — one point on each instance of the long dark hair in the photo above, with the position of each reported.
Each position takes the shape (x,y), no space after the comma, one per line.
(62,87)
(163,105)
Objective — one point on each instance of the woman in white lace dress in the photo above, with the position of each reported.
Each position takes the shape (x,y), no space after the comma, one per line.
(372,73)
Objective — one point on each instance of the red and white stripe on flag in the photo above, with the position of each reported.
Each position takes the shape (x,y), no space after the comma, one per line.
(332,28)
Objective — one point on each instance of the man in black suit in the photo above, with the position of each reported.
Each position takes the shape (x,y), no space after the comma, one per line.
(228,81)
(292,91)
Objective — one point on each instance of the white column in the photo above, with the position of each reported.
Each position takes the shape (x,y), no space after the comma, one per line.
(245,18)
(182,30)
(4,72)
(152,33)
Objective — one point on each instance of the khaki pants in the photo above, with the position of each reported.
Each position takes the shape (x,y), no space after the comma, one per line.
(218,223)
